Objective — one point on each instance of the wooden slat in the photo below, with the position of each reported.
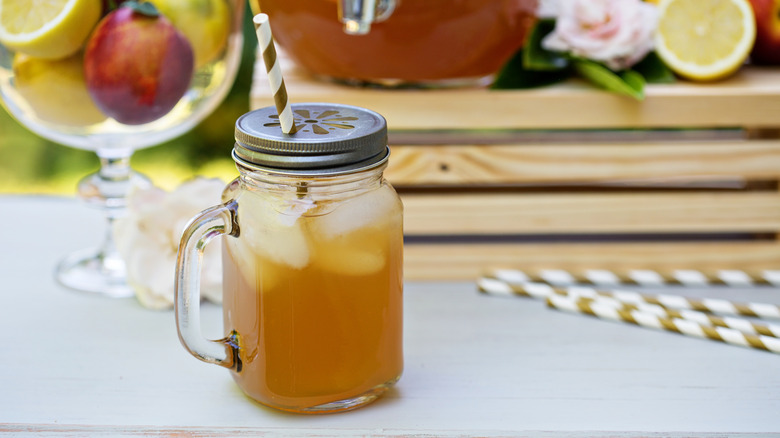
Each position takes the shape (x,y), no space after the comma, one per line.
(751,98)
(467,262)
(551,163)
(511,213)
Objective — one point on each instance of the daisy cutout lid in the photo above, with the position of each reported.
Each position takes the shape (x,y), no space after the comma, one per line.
(327,139)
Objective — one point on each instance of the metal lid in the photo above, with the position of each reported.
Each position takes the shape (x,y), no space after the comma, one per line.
(328,138)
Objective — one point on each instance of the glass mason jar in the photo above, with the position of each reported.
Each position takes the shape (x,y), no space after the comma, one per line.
(312,262)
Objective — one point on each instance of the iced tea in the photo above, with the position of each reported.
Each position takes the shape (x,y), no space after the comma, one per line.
(423,41)
(313,293)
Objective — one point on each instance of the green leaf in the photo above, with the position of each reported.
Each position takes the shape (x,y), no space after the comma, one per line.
(514,76)
(628,83)
(535,57)
(146,8)
(634,80)
(654,70)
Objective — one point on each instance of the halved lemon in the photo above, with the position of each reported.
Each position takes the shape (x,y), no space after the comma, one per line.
(705,39)
(49,29)
(55,90)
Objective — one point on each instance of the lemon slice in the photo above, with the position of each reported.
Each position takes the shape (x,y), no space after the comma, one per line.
(47,28)
(705,39)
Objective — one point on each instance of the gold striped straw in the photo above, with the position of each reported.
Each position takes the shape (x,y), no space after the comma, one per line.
(646,319)
(268,51)
(646,277)
(710,305)
(544,291)
(702,318)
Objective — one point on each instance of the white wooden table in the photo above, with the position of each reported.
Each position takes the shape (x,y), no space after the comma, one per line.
(73,365)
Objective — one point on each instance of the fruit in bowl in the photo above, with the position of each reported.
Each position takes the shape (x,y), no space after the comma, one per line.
(138,60)
(55,89)
(767,48)
(113,86)
(109,5)
(205,23)
(137,65)
(47,29)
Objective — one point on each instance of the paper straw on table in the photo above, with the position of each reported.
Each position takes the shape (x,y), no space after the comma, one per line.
(682,326)
(702,318)
(645,277)
(268,52)
(677,302)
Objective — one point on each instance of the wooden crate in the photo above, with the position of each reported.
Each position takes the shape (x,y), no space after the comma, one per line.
(570,177)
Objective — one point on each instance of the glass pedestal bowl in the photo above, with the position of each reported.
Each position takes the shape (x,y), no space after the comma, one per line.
(51,98)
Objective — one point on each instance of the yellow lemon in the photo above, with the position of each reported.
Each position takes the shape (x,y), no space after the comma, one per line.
(56,90)
(205,24)
(705,39)
(47,28)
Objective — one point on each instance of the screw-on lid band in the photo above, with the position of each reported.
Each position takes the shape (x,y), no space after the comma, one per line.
(326,137)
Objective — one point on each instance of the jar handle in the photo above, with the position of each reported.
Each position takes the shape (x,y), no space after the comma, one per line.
(204,227)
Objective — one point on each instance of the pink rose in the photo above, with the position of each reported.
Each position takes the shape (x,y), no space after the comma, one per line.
(618,33)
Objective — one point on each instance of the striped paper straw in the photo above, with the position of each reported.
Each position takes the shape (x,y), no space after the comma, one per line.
(677,302)
(645,277)
(682,326)
(268,51)
(702,318)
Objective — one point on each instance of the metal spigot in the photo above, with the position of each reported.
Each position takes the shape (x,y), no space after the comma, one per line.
(357,15)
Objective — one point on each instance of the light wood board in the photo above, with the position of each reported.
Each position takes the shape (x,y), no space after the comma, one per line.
(416,165)
(458,261)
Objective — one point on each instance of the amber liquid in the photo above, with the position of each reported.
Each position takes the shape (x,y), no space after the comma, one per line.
(422,41)
(324,332)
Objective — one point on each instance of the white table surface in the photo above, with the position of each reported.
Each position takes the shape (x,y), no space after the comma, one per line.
(72,364)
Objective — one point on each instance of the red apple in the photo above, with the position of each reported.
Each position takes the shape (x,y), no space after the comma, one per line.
(767,47)
(137,65)
(110,5)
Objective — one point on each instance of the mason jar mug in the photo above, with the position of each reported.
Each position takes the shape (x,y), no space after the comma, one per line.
(312,246)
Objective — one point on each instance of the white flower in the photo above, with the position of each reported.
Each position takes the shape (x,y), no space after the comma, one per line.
(148,237)
(618,33)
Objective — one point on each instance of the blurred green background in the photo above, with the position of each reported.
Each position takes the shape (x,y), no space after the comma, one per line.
(30,164)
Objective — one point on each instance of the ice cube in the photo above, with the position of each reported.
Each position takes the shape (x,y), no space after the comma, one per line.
(370,208)
(349,260)
(247,263)
(272,229)
(292,209)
